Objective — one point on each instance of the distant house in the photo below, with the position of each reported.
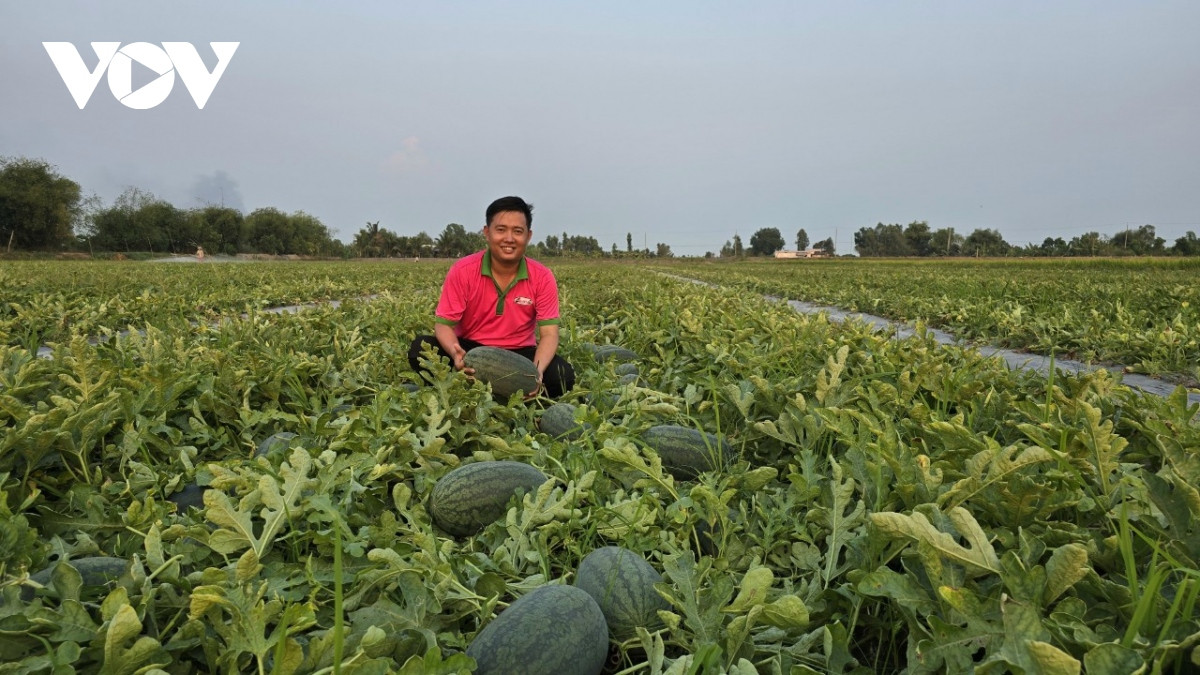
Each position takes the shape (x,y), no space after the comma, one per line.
(806,253)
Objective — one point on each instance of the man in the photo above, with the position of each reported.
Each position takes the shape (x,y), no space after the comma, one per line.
(498,297)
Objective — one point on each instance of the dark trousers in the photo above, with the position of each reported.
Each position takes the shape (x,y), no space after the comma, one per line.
(558,379)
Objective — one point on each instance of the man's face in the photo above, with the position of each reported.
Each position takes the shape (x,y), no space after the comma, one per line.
(507,236)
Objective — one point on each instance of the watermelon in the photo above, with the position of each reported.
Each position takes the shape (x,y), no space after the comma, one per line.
(191,496)
(614,353)
(631,378)
(507,372)
(94,571)
(687,452)
(622,584)
(552,630)
(470,497)
(558,421)
(627,369)
(280,441)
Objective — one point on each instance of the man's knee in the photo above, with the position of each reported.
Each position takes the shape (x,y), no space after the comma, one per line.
(416,351)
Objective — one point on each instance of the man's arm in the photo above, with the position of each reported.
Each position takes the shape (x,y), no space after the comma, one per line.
(449,341)
(546,348)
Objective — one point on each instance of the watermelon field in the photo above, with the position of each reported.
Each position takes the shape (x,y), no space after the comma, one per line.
(192,483)
(1142,313)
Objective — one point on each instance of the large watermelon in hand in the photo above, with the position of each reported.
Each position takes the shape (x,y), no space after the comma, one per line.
(507,372)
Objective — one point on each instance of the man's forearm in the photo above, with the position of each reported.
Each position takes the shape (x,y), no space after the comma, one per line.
(547,347)
(449,342)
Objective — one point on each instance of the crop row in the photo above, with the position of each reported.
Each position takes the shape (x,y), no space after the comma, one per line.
(922,509)
(47,301)
(1141,313)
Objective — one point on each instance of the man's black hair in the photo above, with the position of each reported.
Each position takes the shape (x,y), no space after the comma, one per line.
(511,204)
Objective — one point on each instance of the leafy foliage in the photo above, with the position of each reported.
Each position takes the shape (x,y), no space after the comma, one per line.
(890,506)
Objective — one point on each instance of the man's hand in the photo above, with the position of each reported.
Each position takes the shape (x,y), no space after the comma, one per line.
(459,355)
(537,390)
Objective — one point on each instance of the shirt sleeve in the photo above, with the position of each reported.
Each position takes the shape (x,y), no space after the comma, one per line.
(546,304)
(453,301)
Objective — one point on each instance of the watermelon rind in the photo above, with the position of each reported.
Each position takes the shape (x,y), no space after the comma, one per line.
(622,582)
(507,372)
(558,421)
(472,496)
(552,630)
(687,452)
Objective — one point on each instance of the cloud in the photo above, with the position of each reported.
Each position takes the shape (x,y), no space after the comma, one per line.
(410,158)
(218,189)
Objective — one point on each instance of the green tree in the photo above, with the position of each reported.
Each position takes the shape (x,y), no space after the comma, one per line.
(1053,246)
(766,241)
(663,251)
(38,207)
(738,250)
(946,242)
(801,240)
(139,221)
(1142,241)
(881,240)
(827,246)
(918,238)
(455,241)
(1188,244)
(1089,244)
(984,243)
(727,250)
(629,242)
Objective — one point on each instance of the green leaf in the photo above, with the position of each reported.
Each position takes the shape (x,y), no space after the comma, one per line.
(1067,565)
(903,589)
(1111,658)
(979,558)
(122,658)
(433,664)
(787,612)
(700,597)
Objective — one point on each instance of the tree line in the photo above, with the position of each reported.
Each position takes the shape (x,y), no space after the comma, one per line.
(917,239)
(42,210)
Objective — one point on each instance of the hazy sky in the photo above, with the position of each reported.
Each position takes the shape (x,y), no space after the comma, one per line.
(678,122)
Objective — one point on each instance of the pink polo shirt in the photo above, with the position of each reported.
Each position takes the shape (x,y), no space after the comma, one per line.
(478,309)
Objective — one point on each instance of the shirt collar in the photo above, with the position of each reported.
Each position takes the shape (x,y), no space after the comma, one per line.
(486,269)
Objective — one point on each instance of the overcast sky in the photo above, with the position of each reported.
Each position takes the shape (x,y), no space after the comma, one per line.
(678,122)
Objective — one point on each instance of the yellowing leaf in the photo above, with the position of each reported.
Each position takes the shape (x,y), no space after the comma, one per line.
(753,590)
(979,558)
(788,612)
(1066,566)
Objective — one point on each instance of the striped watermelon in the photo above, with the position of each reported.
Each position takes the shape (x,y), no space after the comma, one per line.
(558,421)
(507,372)
(622,583)
(94,572)
(687,452)
(552,630)
(470,497)
(614,353)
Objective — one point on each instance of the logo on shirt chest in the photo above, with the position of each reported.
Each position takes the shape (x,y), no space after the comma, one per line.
(522,300)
